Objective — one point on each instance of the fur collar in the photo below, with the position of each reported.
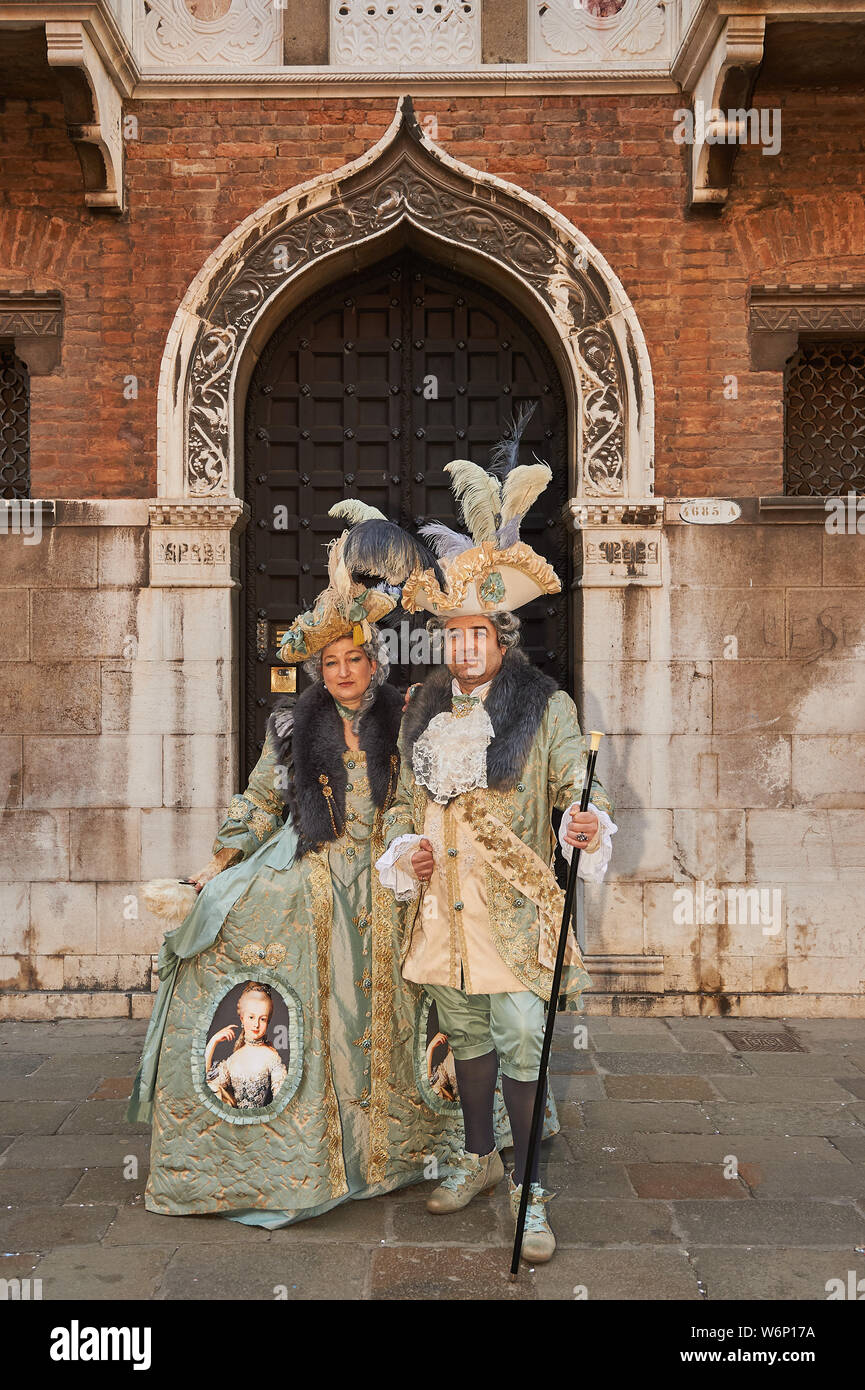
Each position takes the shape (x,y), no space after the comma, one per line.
(515,704)
(309,741)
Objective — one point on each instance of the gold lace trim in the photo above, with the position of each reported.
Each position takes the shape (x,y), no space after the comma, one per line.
(383,941)
(473,566)
(321,892)
(514,869)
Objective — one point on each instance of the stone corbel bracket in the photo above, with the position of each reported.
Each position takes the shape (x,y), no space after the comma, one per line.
(721,81)
(780,313)
(194,545)
(618,544)
(93,103)
(34,324)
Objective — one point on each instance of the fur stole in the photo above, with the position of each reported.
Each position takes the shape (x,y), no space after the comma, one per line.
(515,704)
(309,741)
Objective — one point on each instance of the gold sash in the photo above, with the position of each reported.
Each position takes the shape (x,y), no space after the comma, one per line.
(518,864)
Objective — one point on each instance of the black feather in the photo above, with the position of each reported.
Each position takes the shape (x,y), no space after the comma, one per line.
(505,453)
(376,550)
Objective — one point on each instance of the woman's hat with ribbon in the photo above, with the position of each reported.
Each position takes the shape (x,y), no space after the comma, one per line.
(353,600)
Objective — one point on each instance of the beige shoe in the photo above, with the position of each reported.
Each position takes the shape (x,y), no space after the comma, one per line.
(473,1173)
(539,1243)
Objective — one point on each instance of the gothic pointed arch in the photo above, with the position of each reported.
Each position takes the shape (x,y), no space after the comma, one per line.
(406,190)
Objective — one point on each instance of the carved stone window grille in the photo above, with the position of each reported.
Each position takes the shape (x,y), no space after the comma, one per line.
(14,425)
(369,34)
(825,418)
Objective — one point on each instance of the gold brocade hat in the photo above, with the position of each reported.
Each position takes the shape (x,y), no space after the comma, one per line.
(490,570)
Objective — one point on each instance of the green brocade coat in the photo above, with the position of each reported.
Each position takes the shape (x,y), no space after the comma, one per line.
(355,1115)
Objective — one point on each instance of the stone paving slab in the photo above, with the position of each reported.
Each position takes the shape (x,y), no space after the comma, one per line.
(100,1117)
(304,1270)
(685,1180)
(632,1222)
(662,1274)
(662,1043)
(420,1274)
(659,1088)
(85,1272)
(20,1186)
(20,1063)
(96,1064)
(829,1063)
(36,1117)
(670,1064)
(77,1151)
(106,1186)
(790,1089)
(607,1180)
(770,1222)
(852,1146)
(136,1226)
(41,1228)
(804,1179)
(757,1148)
(787,1274)
(674,1117)
(783,1118)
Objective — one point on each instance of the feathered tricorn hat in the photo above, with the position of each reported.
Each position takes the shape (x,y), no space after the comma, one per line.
(375,549)
(490,570)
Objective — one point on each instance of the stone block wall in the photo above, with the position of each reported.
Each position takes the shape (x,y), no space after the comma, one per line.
(117,756)
(734,700)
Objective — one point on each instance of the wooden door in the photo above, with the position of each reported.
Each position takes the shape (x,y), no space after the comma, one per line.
(368,390)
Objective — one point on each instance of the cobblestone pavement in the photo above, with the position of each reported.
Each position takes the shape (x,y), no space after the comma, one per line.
(684,1170)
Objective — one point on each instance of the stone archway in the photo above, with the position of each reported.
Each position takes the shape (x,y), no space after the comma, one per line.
(406,190)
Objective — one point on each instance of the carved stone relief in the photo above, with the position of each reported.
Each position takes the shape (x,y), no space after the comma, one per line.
(600,33)
(189,33)
(422,34)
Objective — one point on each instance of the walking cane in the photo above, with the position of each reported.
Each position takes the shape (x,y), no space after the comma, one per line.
(538,1111)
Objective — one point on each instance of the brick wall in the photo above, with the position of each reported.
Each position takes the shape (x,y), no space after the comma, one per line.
(609,163)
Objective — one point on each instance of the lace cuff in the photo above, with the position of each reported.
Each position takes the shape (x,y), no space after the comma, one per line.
(593,864)
(404,886)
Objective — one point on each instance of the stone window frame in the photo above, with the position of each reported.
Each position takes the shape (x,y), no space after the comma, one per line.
(781,318)
(31,324)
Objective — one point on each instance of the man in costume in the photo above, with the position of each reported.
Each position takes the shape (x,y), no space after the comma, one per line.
(489,746)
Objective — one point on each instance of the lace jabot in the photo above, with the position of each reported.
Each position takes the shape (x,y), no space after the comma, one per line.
(450,756)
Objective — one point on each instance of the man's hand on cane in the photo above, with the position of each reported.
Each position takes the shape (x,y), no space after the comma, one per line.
(582,828)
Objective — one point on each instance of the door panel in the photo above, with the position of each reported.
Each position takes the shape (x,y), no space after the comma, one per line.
(367,391)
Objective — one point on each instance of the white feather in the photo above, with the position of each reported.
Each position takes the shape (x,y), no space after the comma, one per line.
(341,585)
(168,897)
(522,487)
(353,510)
(479,496)
(445,542)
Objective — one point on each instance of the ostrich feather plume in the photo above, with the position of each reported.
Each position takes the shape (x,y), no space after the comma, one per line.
(353,510)
(169,898)
(383,550)
(479,496)
(445,542)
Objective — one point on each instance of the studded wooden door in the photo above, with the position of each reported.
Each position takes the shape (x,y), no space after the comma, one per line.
(367,391)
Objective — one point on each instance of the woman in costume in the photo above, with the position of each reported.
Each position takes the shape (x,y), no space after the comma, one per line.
(292,906)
